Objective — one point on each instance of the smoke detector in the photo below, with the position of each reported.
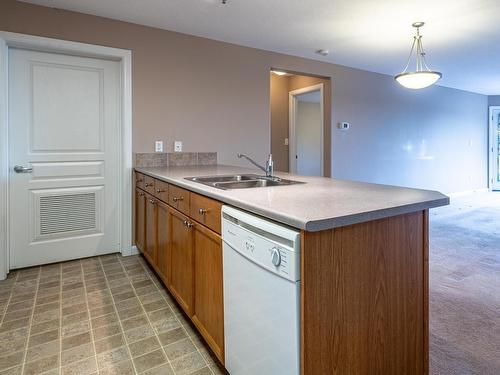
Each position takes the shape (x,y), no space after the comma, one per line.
(322,52)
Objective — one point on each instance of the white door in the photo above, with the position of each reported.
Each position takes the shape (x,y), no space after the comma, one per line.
(64,152)
(495,148)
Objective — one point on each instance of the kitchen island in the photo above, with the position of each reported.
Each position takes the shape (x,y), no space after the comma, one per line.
(364,261)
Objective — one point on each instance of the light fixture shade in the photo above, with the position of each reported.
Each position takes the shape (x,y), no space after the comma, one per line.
(422,76)
(418,80)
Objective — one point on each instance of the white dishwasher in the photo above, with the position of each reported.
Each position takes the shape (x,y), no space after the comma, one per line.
(261,261)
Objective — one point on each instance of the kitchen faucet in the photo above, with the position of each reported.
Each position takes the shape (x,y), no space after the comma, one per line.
(268,169)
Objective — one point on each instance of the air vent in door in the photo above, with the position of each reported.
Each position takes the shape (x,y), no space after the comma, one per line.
(67,213)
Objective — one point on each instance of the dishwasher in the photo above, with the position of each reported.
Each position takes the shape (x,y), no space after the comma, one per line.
(261,262)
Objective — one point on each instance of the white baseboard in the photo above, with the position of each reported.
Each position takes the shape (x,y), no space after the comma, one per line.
(134,251)
(467,192)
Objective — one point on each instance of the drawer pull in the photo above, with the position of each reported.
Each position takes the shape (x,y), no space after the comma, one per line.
(202,211)
(177,199)
(147,184)
(160,190)
(152,201)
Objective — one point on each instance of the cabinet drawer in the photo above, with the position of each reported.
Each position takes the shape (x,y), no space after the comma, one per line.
(149,184)
(139,180)
(161,190)
(179,199)
(206,211)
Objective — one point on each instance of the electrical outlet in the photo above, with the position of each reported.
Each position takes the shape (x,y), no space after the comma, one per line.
(158,146)
(178,146)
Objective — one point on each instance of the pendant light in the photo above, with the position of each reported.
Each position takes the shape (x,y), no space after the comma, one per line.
(422,77)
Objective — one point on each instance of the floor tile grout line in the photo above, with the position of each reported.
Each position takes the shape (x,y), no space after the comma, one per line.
(182,325)
(118,316)
(30,322)
(10,297)
(146,313)
(90,320)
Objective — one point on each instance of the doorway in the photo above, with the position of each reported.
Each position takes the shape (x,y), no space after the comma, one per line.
(494,148)
(306,131)
(65,142)
(300,107)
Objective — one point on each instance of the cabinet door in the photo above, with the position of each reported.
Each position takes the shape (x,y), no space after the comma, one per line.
(181,259)
(140,219)
(151,240)
(208,300)
(162,235)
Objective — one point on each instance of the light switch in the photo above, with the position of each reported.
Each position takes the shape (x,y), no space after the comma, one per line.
(158,146)
(286,141)
(178,146)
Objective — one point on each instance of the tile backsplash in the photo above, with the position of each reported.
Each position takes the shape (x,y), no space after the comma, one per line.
(174,159)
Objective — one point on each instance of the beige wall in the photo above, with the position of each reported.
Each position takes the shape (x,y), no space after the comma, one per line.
(215,97)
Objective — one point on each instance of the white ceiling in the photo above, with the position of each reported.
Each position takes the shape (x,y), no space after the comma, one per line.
(461,37)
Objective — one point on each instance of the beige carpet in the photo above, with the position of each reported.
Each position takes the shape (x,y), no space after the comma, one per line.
(465,286)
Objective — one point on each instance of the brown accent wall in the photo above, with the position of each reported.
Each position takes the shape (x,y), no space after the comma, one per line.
(280,88)
(214,96)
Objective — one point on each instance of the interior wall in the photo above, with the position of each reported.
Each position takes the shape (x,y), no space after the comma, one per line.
(280,86)
(494,100)
(214,96)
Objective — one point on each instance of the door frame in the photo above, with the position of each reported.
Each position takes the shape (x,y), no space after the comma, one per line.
(292,116)
(491,158)
(31,42)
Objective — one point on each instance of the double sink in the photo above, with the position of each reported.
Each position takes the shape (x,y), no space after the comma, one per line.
(241,181)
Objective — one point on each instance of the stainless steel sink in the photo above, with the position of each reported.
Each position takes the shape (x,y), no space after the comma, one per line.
(239,181)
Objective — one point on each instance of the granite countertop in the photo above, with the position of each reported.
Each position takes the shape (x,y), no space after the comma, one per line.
(321,203)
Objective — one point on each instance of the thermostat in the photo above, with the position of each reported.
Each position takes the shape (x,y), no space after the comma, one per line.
(343,125)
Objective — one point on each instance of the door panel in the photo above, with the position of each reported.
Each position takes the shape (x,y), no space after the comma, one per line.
(162,259)
(64,116)
(140,219)
(208,302)
(151,222)
(181,260)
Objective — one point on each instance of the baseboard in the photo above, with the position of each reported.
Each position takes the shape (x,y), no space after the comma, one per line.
(467,192)
(134,250)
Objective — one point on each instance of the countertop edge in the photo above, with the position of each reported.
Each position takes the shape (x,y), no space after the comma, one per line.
(310,226)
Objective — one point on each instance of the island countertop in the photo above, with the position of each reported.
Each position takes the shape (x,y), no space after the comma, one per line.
(321,203)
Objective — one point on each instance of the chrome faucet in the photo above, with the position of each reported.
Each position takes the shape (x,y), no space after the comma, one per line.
(268,169)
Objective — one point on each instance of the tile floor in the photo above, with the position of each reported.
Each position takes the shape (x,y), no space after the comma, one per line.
(103,315)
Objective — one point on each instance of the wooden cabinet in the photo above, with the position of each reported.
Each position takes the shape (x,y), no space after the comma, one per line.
(208,313)
(181,280)
(179,199)
(162,245)
(206,211)
(178,233)
(140,219)
(151,229)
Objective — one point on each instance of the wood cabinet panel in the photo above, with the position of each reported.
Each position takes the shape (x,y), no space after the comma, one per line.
(364,299)
(179,199)
(139,180)
(181,280)
(140,219)
(150,240)
(208,301)
(206,211)
(161,190)
(163,237)
(149,184)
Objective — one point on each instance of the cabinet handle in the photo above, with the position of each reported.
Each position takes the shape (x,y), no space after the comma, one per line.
(160,190)
(141,194)
(202,211)
(152,201)
(177,199)
(189,224)
(147,184)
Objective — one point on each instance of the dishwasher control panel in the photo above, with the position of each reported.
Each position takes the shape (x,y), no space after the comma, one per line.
(265,246)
